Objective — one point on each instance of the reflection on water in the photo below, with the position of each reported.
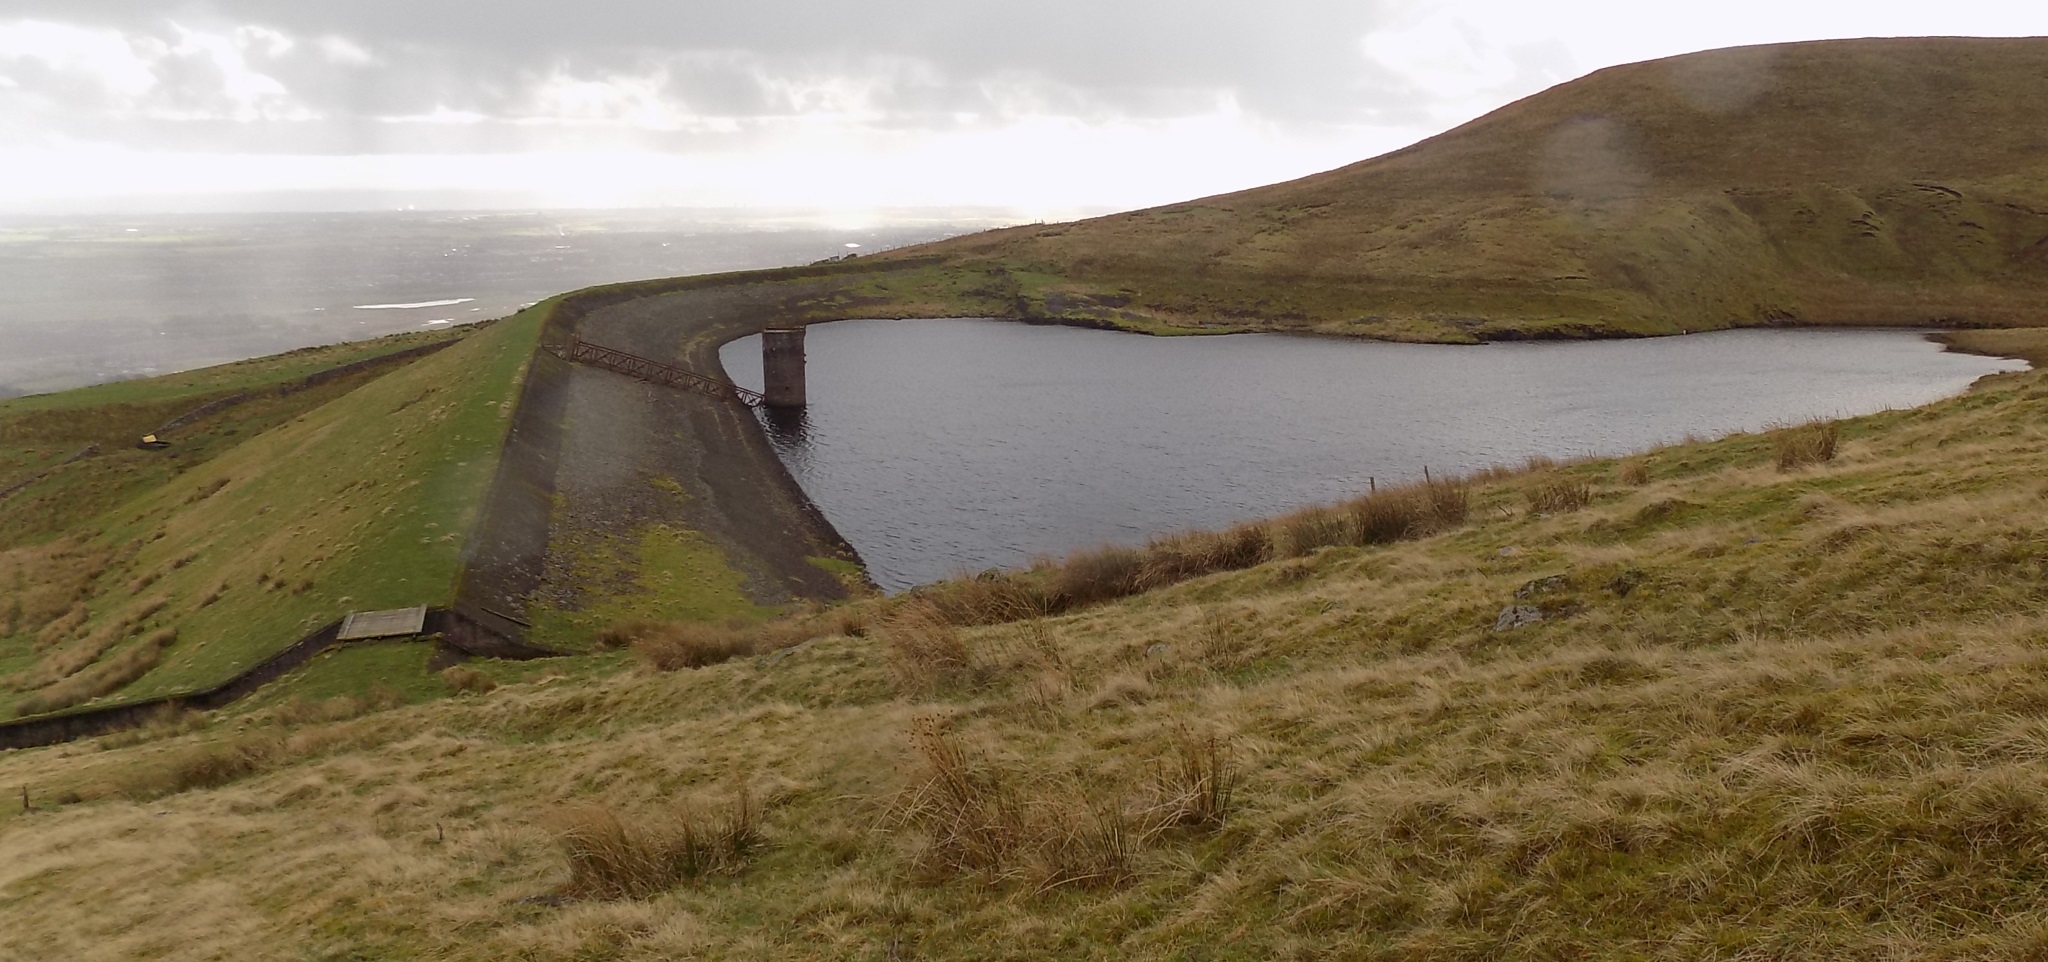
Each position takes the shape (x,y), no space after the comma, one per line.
(788,429)
(938,447)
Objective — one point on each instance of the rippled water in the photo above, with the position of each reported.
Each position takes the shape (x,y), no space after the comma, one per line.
(954,445)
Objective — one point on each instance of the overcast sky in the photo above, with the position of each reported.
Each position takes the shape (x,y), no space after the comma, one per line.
(1049,106)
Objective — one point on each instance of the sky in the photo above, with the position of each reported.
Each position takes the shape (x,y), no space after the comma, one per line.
(1049,107)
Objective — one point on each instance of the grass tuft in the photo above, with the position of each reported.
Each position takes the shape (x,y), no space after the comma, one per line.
(926,652)
(612,856)
(1559,495)
(971,818)
(62,627)
(1814,442)
(113,675)
(204,765)
(671,646)
(463,678)
(1103,574)
(1198,783)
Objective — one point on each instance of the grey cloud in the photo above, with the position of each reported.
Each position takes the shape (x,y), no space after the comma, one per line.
(1291,59)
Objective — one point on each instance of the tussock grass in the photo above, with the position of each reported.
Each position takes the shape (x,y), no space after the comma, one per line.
(972,818)
(1306,531)
(110,676)
(1088,578)
(1181,557)
(1814,442)
(1198,783)
(1092,577)
(669,646)
(926,652)
(61,627)
(166,722)
(203,765)
(48,584)
(1633,472)
(984,600)
(1559,494)
(615,856)
(463,678)
(299,711)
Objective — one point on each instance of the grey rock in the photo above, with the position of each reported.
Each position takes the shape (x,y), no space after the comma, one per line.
(778,655)
(1543,586)
(1515,616)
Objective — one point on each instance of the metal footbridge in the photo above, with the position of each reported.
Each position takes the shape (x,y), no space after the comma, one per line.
(657,372)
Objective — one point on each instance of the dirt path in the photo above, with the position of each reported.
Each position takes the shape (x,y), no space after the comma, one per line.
(735,489)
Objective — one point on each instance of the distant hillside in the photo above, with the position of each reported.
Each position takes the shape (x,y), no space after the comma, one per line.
(1843,182)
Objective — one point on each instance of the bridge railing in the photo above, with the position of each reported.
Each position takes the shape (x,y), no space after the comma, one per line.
(649,369)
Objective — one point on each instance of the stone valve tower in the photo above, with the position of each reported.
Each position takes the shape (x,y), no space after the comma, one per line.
(782,367)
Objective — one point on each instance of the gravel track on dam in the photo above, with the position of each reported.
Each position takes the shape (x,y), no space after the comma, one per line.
(622,436)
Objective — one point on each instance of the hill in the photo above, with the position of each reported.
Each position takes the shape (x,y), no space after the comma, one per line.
(1772,695)
(1842,182)
(297,488)
(1742,710)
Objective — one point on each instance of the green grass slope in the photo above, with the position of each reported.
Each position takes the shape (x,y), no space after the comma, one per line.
(1766,713)
(48,493)
(1843,182)
(357,500)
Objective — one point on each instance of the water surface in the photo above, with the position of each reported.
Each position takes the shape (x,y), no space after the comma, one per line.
(90,299)
(944,446)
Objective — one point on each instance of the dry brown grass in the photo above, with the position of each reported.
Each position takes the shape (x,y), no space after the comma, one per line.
(1092,577)
(1198,783)
(926,652)
(1814,442)
(46,584)
(979,600)
(1176,558)
(1633,472)
(296,712)
(62,660)
(465,679)
(1304,532)
(614,856)
(167,722)
(970,817)
(1560,494)
(114,674)
(203,765)
(672,646)
(1222,642)
(61,627)
(1388,515)
(1763,718)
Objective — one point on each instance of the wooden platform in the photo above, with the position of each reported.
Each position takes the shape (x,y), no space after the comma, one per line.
(397,623)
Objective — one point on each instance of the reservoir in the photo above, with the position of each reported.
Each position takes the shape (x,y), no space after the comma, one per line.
(946,446)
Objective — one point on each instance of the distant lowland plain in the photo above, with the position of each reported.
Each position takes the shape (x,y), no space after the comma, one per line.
(1405,621)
